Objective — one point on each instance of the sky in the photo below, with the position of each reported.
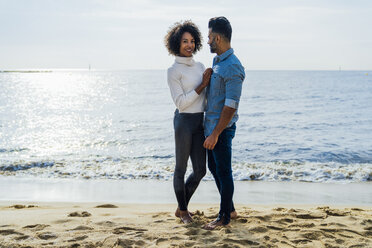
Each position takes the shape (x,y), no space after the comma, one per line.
(129,34)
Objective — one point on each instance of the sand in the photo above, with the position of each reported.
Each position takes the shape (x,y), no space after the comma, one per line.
(46,224)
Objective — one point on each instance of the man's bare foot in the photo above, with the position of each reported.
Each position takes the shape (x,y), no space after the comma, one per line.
(212,225)
(185,217)
(177,213)
(234,215)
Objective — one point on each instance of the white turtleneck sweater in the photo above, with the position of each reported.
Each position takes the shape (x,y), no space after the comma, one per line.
(184,76)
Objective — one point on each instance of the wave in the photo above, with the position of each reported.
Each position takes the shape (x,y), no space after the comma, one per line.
(148,169)
(4,150)
(26,166)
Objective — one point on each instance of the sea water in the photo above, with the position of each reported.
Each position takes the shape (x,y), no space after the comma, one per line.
(313,126)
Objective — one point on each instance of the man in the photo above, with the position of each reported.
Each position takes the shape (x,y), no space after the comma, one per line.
(223,95)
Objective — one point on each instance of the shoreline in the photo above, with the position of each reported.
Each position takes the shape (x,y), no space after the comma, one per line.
(156,191)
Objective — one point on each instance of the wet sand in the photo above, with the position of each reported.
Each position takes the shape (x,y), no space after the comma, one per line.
(158,191)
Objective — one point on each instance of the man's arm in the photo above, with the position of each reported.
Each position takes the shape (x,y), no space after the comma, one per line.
(233,91)
(226,115)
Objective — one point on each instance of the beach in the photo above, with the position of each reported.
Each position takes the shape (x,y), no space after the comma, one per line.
(154,225)
(108,213)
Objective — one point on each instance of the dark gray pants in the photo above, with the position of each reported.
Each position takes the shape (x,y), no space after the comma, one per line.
(189,138)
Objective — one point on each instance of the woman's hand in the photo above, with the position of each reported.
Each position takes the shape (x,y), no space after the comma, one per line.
(205,82)
(207,76)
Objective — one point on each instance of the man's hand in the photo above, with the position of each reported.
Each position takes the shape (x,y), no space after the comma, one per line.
(210,142)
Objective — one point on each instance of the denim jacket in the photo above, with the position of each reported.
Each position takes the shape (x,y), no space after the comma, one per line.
(224,89)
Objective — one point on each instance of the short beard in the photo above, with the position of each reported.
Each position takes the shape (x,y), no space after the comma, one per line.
(213,46)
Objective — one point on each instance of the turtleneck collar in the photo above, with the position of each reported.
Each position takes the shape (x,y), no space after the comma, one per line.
(185,60)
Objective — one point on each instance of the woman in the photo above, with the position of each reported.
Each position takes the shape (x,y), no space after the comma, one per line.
(187,80)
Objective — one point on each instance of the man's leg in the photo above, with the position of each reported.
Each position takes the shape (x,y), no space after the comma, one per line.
(212,169)
(221,155)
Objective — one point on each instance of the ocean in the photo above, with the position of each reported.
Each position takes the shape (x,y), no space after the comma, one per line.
(311,126)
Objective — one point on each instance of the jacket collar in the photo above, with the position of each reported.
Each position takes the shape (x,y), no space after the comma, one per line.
(223,56)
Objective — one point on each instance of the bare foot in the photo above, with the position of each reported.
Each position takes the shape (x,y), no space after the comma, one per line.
(212,225)
(233,215)
(185,217)
(177,213)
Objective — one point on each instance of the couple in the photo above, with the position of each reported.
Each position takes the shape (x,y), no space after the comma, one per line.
(194,90)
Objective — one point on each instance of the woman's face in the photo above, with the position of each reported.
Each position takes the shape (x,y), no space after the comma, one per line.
(187,45)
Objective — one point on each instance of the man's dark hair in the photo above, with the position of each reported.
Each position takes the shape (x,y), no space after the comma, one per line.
(173,38)
(221,26)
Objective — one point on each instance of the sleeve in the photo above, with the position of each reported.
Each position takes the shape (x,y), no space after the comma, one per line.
(181,100)
(234,82)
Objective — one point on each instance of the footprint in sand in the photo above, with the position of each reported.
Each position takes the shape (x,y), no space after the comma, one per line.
(357,209)
(159,221)
(22,237)
(36,227)
(6,232)
(81,228)
(242,220)
(278,228)
(129,243)
(162,214)
(79,238)
(285,221)
(300,241)
(5,225)
(159,240)
(366,222)
(107,223)
(193,231)
(124,229)
(310,216)
(106,206)
(245,242)
(333,212)
(79,214)
(263,218)
(46,235)
(302,225)
(61,221)
(18,206)
(280,209)
(258,229)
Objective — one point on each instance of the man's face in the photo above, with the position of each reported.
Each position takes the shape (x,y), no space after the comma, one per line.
(212,41)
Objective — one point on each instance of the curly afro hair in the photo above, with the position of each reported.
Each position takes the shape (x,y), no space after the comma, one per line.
(173,38)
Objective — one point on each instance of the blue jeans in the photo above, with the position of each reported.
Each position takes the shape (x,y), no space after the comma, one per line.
(219,164)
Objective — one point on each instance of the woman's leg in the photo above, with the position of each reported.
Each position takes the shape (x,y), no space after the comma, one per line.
(183,139)
(198,159)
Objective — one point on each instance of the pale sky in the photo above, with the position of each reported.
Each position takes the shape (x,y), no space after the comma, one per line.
(128,34)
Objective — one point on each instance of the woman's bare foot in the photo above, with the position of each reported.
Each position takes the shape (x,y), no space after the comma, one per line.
(177,213)
(185,217)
